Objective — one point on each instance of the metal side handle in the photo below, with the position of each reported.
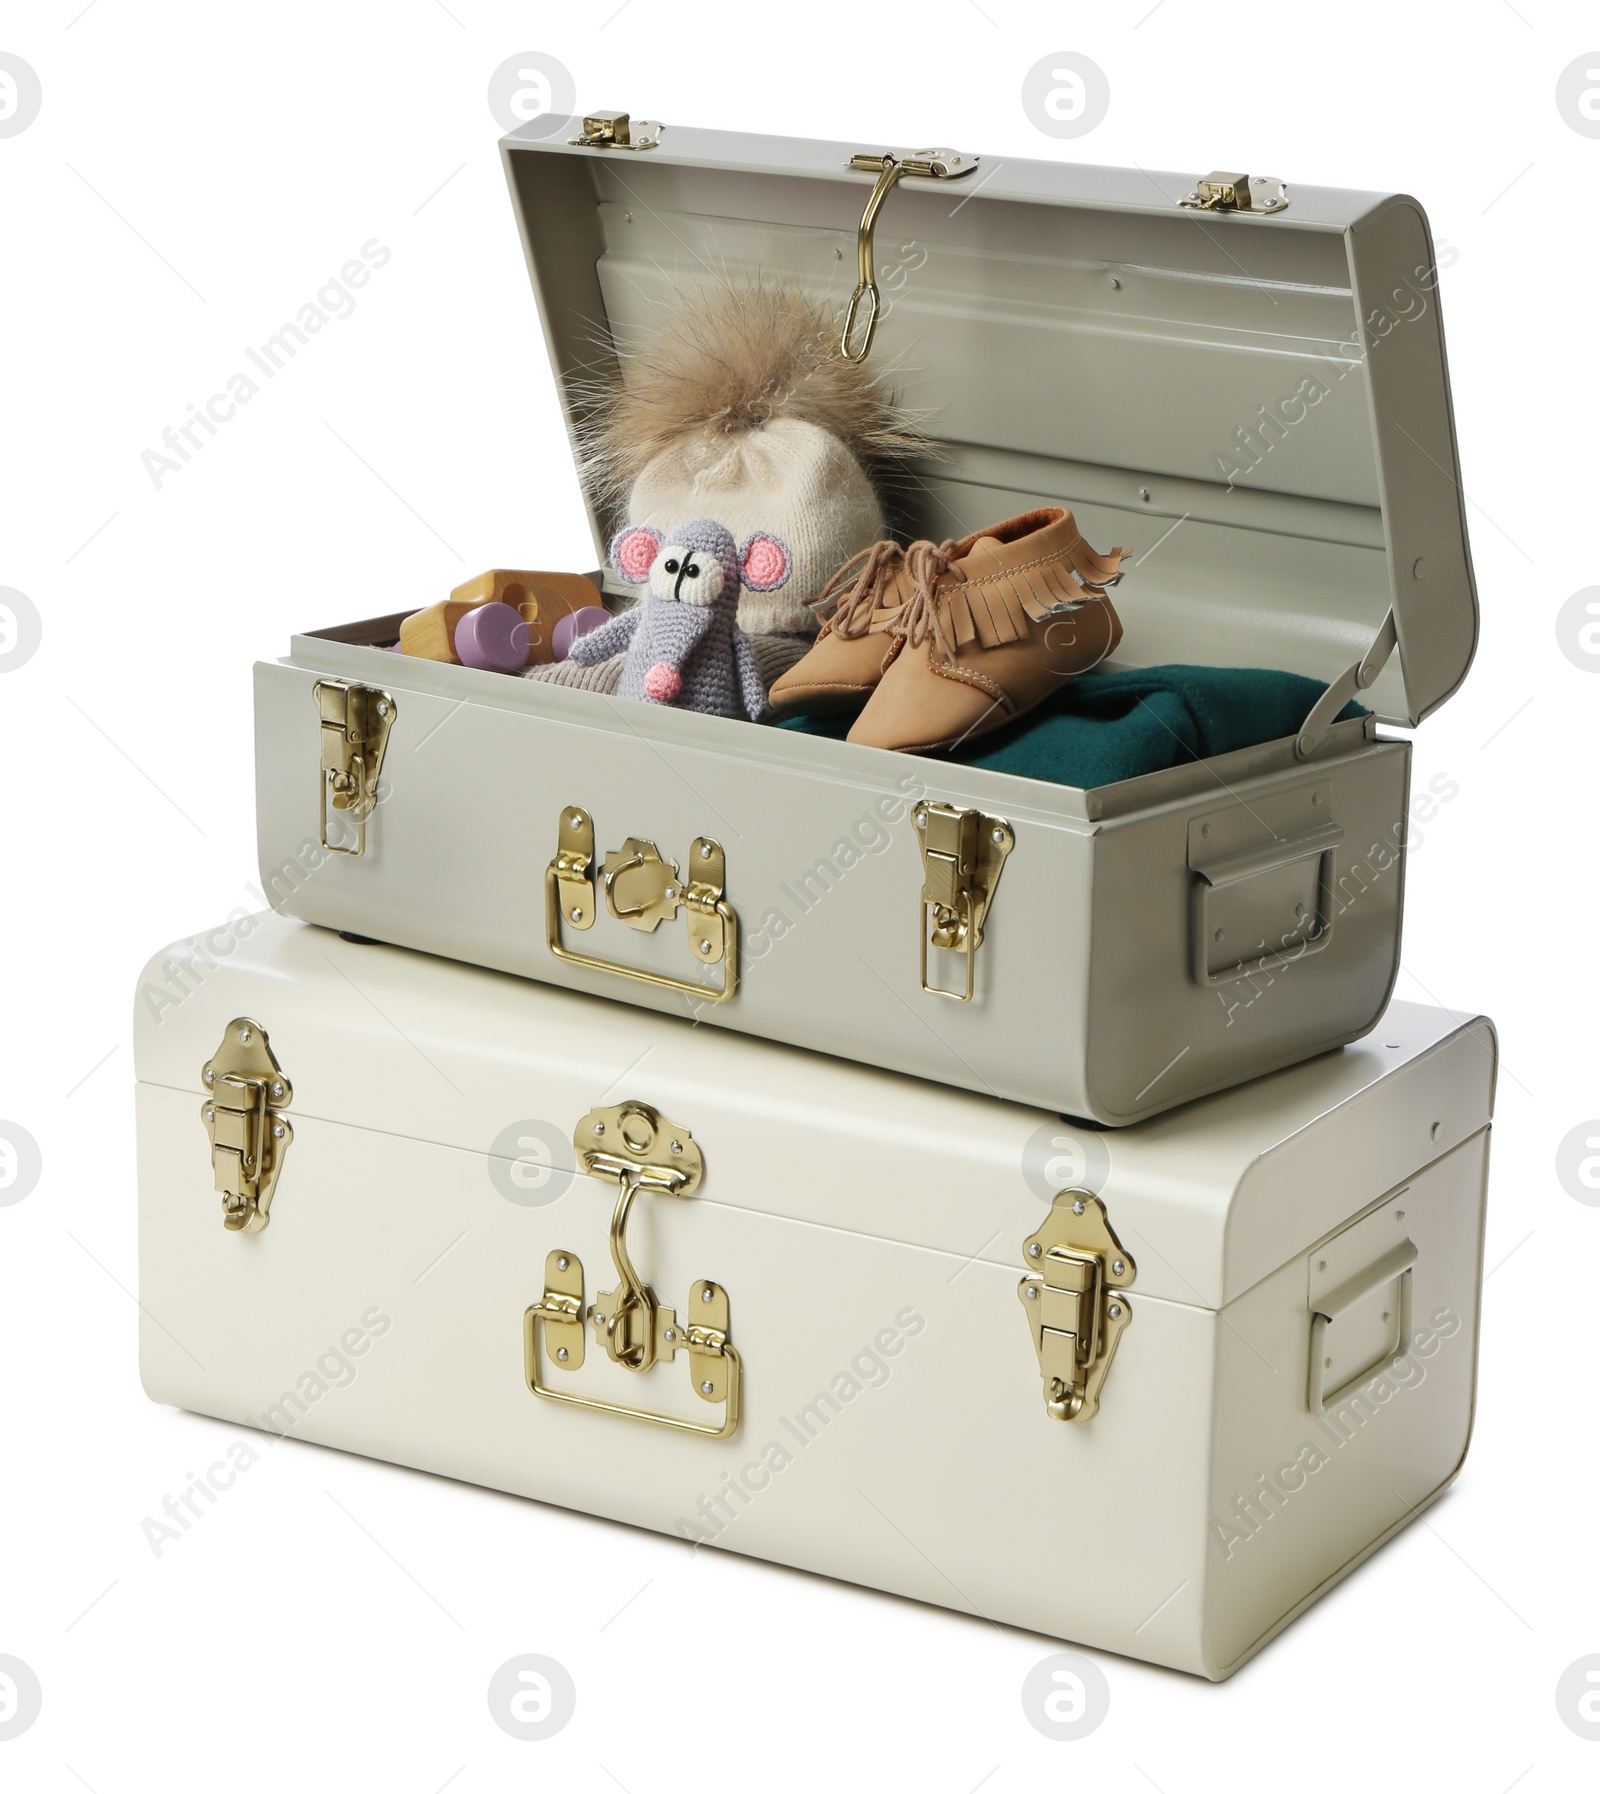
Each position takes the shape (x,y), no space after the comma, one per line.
(1395,1265)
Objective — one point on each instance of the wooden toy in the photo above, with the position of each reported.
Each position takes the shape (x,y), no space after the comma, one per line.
(541,600)
(431,633)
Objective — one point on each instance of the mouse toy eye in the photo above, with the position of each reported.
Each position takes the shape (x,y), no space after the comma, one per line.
(671,566)
(691,570)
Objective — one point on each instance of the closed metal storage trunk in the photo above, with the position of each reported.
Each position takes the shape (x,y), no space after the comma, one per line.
(1151,1390)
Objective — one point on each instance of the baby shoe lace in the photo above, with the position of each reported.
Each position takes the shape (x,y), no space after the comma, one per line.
(856,590)
(925,613)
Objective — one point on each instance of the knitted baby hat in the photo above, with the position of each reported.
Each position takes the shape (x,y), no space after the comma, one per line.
(736,404)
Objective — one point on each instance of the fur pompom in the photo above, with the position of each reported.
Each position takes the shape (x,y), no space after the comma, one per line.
(726,360)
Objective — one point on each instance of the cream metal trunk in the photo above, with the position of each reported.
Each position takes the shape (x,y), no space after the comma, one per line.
(1152,1390)
(1255,401)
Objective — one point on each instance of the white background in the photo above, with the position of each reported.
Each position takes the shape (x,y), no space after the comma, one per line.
(195,174)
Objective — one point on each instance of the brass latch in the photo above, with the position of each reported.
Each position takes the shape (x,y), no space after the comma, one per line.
(963,855)
(246,1094)
(643,890)
(356,721)
(1074,1302)
(926,164)
(615,130)
(635,1147)
(1222,192)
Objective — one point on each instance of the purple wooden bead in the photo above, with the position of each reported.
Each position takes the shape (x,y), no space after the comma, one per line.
(574,624)
(492,637)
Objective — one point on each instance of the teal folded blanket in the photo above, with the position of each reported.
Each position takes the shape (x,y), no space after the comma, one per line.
(1106,727)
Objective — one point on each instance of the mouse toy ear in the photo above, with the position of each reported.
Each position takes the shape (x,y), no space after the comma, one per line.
(763,562)
(633,552)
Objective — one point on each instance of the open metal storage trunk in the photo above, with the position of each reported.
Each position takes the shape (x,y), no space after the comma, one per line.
(902,1335)
(1256,402)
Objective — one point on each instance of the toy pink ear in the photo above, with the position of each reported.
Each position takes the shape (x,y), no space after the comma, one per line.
(763,562)
(633,552)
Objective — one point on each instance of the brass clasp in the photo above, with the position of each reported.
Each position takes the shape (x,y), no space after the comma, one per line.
(1075,1307)
(963,855)
(635,1146)
(246,1094)
(356,721)
(1221,191)
(616,130)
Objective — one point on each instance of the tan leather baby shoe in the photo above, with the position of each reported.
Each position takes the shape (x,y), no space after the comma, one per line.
(847,659)
(994,628)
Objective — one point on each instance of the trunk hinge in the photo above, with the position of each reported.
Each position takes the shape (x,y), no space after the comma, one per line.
(1325,712)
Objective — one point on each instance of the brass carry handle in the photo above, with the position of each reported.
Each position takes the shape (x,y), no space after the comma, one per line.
(635,1145)
(644,891)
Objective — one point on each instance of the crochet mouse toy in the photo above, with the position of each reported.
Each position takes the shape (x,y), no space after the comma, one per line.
(682,638)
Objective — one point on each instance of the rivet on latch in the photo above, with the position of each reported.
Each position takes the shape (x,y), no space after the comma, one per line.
(1035,1249)
(1077,1208)
(706,1387)
(562,1263)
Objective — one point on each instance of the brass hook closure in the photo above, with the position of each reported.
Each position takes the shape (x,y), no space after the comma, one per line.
(628,1331)
(866,274)
(638,1148)
(927,164)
